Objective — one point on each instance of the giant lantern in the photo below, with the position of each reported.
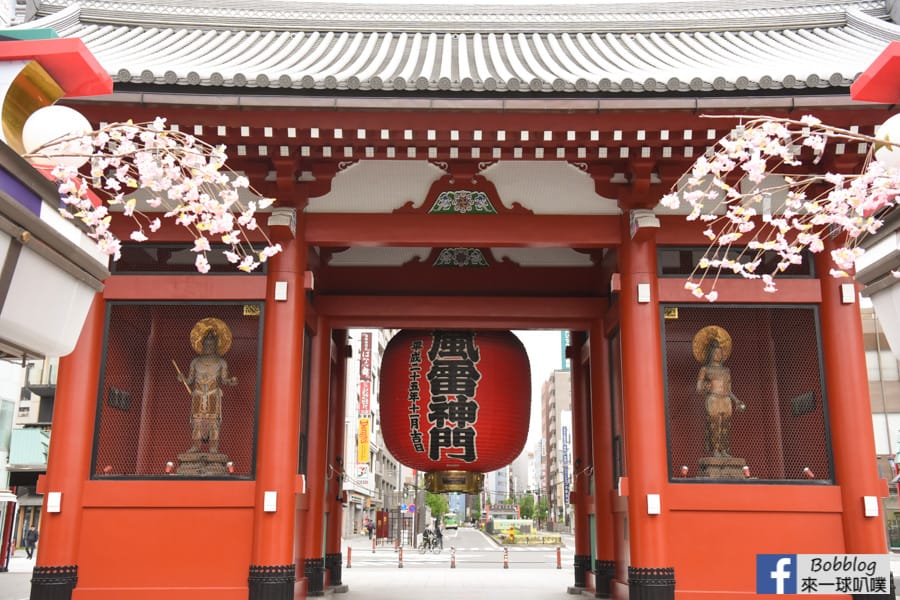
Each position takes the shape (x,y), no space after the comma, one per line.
(455,404)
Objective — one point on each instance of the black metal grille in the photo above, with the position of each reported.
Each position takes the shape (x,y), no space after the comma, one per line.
(683,261)
(175,258)
(771,356)
(151,424)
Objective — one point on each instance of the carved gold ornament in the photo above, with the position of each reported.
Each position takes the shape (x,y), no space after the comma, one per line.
(708,334)
(203,326)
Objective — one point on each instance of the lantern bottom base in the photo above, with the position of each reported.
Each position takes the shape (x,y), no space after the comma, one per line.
(439,482)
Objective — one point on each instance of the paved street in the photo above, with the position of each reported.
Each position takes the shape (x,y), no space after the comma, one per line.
(531,575)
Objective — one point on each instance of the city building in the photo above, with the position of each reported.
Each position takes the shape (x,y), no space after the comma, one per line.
(373,479)
(556,417)
(443,166)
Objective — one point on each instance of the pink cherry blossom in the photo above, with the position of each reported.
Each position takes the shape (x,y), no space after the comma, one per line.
(746,174)
(187,179)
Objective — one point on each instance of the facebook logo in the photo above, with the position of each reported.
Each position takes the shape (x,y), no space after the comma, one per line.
(776,573)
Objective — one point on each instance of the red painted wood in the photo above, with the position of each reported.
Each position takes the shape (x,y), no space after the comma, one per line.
(185,287)
(417,230)
(491,312)
(336,459)
(312,536)
(602,443)
(67,60)
(850,412)
(642,384)
(502,278)
(582,457)
(69,459)
(800,291)
(881,81)
(279,410)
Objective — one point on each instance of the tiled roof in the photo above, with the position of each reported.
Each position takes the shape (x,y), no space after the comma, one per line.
(636,46)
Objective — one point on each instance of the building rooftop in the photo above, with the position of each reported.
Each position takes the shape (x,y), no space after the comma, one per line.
(397,48)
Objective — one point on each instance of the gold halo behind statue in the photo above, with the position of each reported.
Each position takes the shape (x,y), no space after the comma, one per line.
(203,326)
(708,334)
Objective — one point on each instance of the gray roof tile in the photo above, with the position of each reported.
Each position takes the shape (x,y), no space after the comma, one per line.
(630,46)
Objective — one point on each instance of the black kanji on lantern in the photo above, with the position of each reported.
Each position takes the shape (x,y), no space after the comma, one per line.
(415,366)
(453,378)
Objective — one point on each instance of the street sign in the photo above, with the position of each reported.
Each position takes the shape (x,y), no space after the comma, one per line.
(403,507)
(412,508)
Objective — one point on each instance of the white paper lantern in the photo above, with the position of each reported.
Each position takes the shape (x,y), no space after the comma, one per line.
(51,123)
(889,156)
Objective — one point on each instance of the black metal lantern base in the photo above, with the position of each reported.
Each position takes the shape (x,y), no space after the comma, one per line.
(314,570)
(333,564)
(53,583)
(651,583)
(272,582)
(604,571)
(582,566)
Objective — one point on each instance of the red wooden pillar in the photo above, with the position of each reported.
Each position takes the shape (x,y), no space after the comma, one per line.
(272,567)
(336,460)
(849,412)
(69,461)
(311,541)
(650,574)
(601,434)
(582,459)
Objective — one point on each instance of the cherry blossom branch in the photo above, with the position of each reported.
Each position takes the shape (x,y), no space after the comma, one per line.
(752,192)
(168,170)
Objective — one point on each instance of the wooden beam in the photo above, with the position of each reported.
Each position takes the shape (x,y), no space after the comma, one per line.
(482,231)
(483,312)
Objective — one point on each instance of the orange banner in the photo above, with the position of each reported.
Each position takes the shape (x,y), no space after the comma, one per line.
(362,448)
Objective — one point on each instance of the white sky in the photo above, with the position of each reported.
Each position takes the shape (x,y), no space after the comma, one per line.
(545,355)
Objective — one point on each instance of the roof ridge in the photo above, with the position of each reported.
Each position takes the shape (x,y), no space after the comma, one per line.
(873,26)
(611,16)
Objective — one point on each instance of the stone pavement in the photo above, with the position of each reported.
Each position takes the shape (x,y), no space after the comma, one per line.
(413,582)
(437,581)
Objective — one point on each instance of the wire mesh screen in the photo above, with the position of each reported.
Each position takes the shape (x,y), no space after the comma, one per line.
(618,412)
(179,388)
(744,394)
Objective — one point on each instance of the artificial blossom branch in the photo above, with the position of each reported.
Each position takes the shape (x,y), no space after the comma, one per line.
(173,173)
(757,195)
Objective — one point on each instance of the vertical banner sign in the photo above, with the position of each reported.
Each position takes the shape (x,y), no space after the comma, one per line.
(365,356)
(565,462)
(365,393)
(362,449)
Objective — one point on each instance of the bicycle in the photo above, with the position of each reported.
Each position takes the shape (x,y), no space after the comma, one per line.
(429,544)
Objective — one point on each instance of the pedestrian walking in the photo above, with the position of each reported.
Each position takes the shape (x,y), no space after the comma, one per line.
(31,538)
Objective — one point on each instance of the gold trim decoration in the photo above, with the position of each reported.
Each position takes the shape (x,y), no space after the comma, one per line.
(708,334)
(31,89)
(201,327)
(439,482)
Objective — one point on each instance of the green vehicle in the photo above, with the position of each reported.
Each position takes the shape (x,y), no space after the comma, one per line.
(451,521)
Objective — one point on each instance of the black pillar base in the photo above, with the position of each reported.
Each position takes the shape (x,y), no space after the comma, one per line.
(53,583)
(333,564)
(582,566)
(604,571)
(314,570)
(651,583)
(272,582)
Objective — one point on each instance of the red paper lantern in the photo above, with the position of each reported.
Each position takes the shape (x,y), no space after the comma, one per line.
(455,403)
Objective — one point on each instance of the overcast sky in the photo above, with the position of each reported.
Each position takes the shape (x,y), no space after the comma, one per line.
(545,355)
